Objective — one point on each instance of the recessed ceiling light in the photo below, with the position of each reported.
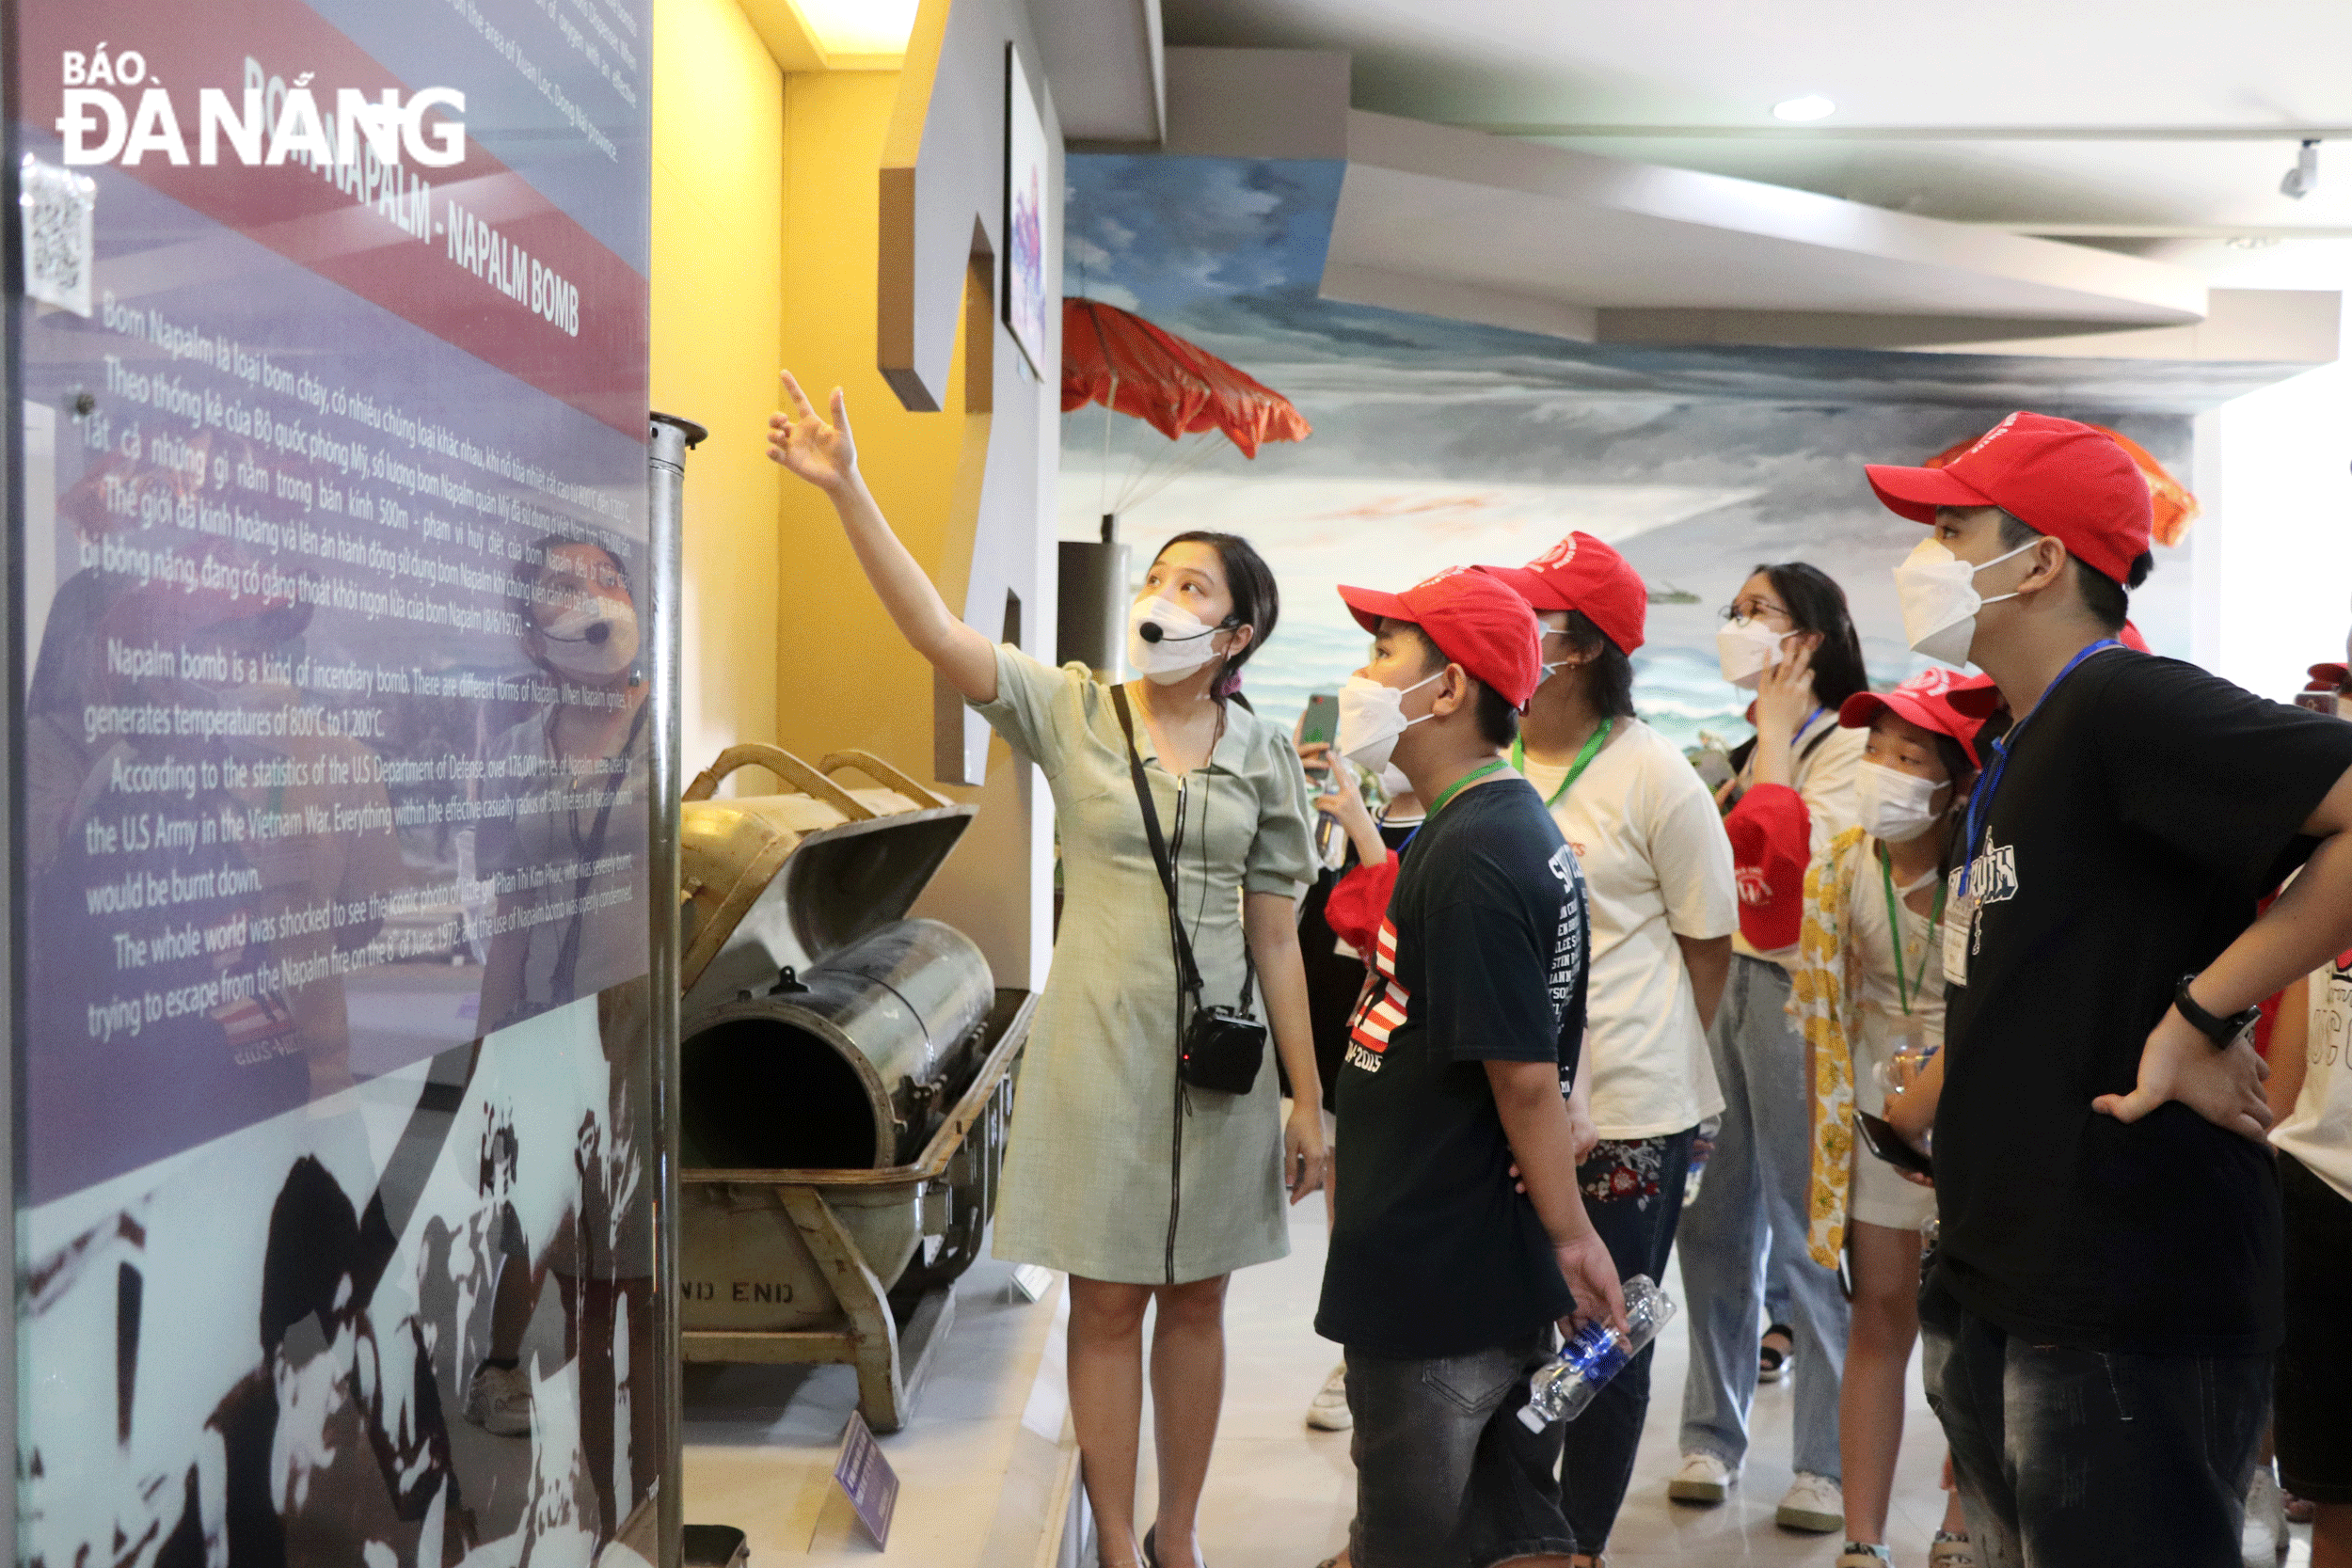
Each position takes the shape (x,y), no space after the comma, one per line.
(859,26)
(1811,106)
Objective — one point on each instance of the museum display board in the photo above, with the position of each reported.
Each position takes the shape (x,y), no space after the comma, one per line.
(331,795)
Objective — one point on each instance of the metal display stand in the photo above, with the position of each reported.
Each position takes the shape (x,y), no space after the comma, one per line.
(669,439)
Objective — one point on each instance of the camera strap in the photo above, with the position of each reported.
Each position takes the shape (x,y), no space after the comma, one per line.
(1187,972)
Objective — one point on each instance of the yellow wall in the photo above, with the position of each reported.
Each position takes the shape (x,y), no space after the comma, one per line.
(718,291)
(845,677)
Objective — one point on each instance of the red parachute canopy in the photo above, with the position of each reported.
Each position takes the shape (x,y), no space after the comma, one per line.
(1124,362)
(2175,507)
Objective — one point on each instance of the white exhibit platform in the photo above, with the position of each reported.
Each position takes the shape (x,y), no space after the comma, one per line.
(987,1467)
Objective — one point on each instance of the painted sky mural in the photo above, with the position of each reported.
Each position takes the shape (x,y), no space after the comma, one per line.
(1438,442)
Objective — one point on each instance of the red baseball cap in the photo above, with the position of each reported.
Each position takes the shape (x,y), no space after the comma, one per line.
(1582,574)
(2056,476)
(2334,674)
(1475,621)
(1938,700)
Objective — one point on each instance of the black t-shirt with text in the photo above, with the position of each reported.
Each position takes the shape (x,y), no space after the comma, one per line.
(1482,958)
(2145,807)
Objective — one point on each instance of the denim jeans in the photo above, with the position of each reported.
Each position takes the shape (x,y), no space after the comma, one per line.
(1446,1476)
(1633,1193)
(2069,1457)
(1752,1198)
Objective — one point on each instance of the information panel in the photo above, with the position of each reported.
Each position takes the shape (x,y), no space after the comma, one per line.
(334,1208)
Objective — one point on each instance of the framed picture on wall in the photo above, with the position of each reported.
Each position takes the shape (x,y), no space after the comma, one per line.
(1026,305)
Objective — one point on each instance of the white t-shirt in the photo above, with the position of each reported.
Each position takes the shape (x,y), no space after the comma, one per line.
(1656,865)
(2318,1131)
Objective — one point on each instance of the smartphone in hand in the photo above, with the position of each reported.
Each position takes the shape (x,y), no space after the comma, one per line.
(1880,1137)
(1319,726)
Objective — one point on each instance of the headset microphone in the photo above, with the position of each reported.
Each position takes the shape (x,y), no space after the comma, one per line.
(1152,631)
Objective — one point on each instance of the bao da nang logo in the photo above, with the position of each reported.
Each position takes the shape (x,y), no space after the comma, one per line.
(115,112)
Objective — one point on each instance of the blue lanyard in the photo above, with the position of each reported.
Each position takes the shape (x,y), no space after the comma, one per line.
(1981,805)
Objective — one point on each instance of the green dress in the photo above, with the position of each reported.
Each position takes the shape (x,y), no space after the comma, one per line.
(1110,1172)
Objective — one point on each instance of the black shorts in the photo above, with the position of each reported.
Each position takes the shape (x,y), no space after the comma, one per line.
(2313,1423)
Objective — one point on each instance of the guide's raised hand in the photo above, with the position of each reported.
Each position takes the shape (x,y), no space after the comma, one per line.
(823,454)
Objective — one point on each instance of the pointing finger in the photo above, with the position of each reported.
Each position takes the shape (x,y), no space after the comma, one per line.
(801,405)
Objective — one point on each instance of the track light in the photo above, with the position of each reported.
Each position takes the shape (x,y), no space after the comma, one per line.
(2300,181)
(1811,106)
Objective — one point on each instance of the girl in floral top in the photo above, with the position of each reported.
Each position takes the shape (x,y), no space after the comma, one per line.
(1867,991)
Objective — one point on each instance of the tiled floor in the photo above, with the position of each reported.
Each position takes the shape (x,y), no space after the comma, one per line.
(1279,1496)
(977,1457)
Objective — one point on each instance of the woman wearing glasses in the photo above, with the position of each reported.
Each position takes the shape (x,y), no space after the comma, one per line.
(1787,638)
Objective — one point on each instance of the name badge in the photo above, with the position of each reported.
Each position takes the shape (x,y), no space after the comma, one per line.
(1959,929)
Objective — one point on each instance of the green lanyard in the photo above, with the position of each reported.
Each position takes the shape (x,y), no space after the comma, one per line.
(1460,784)
(1576,769)
(1895,930)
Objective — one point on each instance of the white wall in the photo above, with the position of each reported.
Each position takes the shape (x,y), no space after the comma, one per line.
(2273,550)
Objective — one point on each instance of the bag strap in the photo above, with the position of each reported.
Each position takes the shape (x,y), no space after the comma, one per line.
(1188,971)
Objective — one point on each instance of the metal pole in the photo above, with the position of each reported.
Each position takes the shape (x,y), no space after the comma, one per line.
(669,439)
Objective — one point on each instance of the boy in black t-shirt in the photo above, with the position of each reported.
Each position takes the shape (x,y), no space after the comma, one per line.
(1444,1283)
(2107,1297)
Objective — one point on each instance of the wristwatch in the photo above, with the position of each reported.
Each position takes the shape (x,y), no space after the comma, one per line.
(2221,1031)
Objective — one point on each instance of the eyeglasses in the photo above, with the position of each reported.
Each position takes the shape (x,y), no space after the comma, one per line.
(1749,610)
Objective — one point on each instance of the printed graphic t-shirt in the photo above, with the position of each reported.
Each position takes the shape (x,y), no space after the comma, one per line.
(1481,958)
(2144,807)
(2318,1131)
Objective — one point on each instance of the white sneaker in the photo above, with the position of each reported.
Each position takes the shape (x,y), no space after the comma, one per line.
(499,1400)
(1703,1479)
(1329,1410)
(1812,1503)
(2265,1541)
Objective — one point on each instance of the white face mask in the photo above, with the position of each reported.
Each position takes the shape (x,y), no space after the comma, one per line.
(592,637)
(1893,807)
(1185,642)
(1546,668)
(1394,783)
(1939,596)
(1746,649)
(1372,716)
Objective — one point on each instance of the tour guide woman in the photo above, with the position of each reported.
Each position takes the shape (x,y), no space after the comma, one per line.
(1141,1187)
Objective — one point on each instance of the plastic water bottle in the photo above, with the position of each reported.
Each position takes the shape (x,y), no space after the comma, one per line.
(1560,1391)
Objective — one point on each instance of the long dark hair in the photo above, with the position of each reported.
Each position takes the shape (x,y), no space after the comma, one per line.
(1610,673)
(1257,600)
(1817,604)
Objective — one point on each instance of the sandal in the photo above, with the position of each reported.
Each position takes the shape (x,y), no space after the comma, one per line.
(1771,1360)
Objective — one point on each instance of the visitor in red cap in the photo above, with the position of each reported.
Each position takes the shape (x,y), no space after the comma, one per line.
(1788,637)
(1869,996)
(2328,690)
(2106,1294)
(1442,1283)
(1658,877)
